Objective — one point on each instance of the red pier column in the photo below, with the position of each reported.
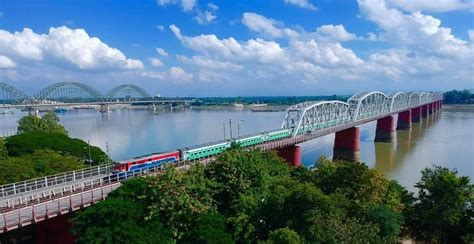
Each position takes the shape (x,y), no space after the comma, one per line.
(347,145)
(404,120)
(54,231)
(424,111)
(291,154)
(384,132)
(416,115)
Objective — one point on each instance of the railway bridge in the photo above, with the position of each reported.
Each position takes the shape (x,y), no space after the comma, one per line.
(48,198)
(69,94)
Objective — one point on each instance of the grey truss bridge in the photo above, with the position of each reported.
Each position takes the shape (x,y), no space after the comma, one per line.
(76,93)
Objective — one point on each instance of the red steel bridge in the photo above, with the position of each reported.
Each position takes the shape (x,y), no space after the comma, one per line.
(36,200)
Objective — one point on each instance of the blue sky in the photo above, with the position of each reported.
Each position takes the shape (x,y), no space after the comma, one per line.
(230,48)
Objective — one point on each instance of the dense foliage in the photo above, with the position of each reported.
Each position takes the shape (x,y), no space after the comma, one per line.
(39,163)
(42,148)
(444,209)
(49,123)
(28,142)
(253,196)
(457,97)
(276,100)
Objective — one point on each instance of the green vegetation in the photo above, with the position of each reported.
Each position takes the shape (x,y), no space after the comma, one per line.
(276,100)
(42,147)
(28,142)
(254,197)
(458,97)
(444,209)
(49,123)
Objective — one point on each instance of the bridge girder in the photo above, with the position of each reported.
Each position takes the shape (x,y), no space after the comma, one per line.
(9,93)
(399,100)
(128,90)
(64,89)
(365,104)
(414,98)
(309,116)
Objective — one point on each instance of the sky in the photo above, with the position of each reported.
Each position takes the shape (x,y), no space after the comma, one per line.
(239,48)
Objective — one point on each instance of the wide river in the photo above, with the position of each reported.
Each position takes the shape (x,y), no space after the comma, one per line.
(446,138)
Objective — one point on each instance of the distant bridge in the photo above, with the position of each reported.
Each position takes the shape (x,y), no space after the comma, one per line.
(35,200)
(75,93)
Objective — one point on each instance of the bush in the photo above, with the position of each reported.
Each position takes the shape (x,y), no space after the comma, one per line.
(38,164)
(28,142)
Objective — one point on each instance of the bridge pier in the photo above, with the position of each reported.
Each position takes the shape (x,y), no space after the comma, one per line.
(424,111)
(54,230)
(291,154)
(347,145)
(104,108)
(385,130)
(404,120)
(430,108)
(416,115)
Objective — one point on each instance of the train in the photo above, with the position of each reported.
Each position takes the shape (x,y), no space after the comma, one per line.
(196,152)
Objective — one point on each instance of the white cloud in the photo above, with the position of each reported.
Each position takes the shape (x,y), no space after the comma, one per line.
(161,51)
(271,28)
(261,24)
(6,62)
(156,62)
(334,33)
(416,32)
(471,35)
(256,50)
(205,17)
(209,63)
(177,74)
(160,27)
(186,5)
(212,6)
(73,47)
(302,4)
(431,5)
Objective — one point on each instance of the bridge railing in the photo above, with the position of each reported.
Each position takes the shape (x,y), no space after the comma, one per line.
(103,176)
(53,180)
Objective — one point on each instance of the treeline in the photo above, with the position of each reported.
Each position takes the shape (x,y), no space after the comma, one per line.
(210,101)
(254,197)
(459,97)
(42,147)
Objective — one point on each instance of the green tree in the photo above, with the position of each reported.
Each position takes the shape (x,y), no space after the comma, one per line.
(284,236)
(38,164)
(238,171)
(118,221)
(3,150)
(26,143)
(210,228)
(49,123)
(371,197)
(443,210)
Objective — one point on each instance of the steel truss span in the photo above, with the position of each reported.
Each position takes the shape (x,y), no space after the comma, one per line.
(11,95)
(311,116)
(70,92)
(128,91)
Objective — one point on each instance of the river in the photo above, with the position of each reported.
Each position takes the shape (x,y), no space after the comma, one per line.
(445,139)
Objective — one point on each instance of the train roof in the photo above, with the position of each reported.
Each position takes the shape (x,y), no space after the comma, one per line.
(226,140)
(145,156)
